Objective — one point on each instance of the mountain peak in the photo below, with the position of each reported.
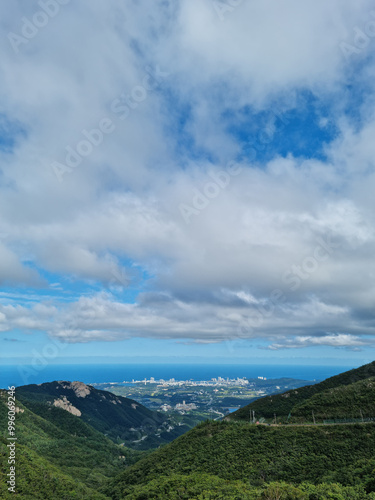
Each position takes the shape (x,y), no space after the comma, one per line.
(80,389)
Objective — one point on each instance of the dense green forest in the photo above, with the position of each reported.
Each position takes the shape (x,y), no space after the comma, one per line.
(60,449)
(355,401)
(62,456)
(38,478)
(236,459)
(336,403)
(259,455)
(199,486)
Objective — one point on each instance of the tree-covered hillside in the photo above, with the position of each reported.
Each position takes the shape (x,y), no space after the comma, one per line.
(121,419)
(37,478)
(258,455)
(346,402)
(110,414)
(200,486)
(283,405)
(59,451)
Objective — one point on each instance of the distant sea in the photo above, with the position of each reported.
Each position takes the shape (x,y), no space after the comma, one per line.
(106,373)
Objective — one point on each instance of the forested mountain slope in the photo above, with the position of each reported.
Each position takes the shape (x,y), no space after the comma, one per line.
(256,456)
(284,405)
(61,459)
(347,402)
(121,419)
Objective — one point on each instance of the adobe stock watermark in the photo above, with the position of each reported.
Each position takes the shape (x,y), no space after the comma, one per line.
(31,27)
(310,264)
(361,38)
(124,278)
(75,154)
(224,7)
(201,198)
(40,359)
(221,179)
(265,135)
(293,279)
(3,236)
(121,107)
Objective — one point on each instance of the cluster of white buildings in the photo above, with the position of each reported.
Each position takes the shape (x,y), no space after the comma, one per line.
(185,407)
(179,407)
(194,383)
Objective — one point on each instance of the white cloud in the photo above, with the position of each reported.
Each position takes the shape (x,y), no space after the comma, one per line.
(13,271)
(339,340)
(121,203)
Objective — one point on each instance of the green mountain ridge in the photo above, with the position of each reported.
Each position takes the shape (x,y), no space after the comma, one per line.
(60,456)
(284,405)
(351,402)
(121,419)
(255,456)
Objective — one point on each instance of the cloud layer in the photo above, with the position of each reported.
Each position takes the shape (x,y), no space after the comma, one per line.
(151,165)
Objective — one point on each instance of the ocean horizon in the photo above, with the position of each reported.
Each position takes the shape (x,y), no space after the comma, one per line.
(18,375)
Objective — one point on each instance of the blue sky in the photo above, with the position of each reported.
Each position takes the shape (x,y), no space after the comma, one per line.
(188,183)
